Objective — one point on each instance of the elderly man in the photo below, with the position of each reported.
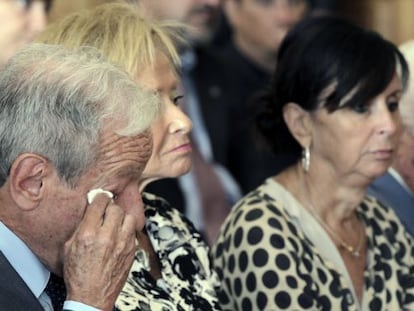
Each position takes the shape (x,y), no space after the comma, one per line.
(69,123)
(396,187)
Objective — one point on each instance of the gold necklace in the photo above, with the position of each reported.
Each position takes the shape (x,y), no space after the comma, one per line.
(355,251)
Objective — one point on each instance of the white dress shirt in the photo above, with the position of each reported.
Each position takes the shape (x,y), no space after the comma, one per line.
(31,270)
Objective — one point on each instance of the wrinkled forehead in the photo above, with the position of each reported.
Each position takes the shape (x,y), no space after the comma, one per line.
(123,155)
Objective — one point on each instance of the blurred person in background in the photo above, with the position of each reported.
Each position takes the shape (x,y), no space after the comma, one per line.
(257,29)
(396,187)
(20,22)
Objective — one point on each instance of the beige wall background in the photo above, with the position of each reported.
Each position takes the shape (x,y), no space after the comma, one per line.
(394,19)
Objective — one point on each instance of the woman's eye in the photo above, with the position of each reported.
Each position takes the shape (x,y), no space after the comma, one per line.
(393,106)
(360,108)
(178,100)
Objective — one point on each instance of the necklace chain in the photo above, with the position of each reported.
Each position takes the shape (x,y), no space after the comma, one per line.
(355,251)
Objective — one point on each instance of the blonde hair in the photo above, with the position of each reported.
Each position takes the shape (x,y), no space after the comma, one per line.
(121,33)
(407,101)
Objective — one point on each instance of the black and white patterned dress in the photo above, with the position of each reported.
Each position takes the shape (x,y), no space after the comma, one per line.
(188,281)
(266,261)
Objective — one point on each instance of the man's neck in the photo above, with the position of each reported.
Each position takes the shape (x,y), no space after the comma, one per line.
(263,59)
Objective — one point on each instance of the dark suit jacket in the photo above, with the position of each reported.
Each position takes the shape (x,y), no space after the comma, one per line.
(14,293)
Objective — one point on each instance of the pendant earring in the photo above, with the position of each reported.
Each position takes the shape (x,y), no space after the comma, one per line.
(306,159)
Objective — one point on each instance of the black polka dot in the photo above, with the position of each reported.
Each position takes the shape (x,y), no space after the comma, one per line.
(261,300)
(251,282)
(385,251)
(375,304)
(292,229)
(228,285)
(277,241)
(255,235)
(237,287)
(378,284)
(322,276)
(253,214)
(227,243)
(270,279)
(219,272)
(291,282)
(335,288)
(325,303)
(282,262)
(274,223)
(237,217)
(274,209)
(305,301)
(260,257)
(308,264)
(246,305)
(294,244)
(283,300)
(243,261)
(219,250)
(379,215)
(223,297)
(231,264)
(238,237)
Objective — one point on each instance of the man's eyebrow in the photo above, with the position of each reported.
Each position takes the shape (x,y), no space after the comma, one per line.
(129,171)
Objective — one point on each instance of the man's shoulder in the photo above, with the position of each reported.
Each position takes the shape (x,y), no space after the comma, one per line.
(14,293)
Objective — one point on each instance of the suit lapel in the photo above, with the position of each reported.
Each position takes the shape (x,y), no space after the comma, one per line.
(14,293)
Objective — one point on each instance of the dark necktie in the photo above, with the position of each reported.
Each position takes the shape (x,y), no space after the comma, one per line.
(56,290)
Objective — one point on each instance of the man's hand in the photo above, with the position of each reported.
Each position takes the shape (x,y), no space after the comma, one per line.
(99,255)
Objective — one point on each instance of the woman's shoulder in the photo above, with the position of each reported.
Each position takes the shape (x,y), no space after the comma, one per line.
(261,215)
(384,222)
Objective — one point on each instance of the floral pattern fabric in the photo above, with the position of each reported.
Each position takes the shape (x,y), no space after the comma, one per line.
(188,281)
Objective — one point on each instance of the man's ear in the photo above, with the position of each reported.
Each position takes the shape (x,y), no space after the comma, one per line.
(299,123)
(26,180)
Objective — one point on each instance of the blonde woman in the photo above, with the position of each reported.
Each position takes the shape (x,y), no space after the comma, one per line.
(172,270)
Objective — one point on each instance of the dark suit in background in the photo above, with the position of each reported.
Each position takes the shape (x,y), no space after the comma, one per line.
(14,293)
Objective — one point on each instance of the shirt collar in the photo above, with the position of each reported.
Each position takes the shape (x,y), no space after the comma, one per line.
(188,60)
(23,260)
(400,180)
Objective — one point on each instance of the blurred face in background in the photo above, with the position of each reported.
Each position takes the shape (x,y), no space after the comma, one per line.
(20,22)
(200,15)
(404,160)
(262,24)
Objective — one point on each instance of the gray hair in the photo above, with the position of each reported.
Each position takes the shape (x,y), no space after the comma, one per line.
(55,103)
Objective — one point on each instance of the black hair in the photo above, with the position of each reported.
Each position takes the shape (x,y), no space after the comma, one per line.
(321,52)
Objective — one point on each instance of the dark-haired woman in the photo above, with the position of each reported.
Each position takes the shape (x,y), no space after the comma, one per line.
(309,238)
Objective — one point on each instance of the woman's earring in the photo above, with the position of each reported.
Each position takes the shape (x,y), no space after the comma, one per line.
(306,159)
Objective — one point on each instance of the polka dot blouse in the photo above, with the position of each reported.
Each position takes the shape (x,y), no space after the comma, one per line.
(266,261)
